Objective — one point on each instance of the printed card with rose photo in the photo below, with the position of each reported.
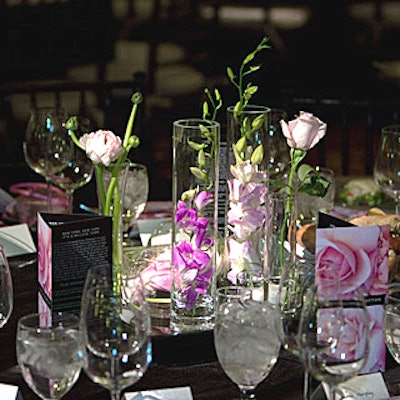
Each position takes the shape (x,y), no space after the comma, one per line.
(361,256)
(68,245)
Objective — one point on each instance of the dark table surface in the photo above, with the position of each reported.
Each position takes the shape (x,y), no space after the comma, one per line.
(180,360)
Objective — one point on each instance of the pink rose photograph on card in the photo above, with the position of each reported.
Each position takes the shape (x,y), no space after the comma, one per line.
(361,257)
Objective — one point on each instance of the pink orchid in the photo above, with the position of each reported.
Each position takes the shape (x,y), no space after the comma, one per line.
(247,172)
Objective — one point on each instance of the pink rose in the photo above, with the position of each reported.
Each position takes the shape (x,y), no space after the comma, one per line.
(102,146)
(157,274)
(304,132)
(344,248)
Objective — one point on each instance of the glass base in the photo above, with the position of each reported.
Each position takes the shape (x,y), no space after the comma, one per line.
(199,318)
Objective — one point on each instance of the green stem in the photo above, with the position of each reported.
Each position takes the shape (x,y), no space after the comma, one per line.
(100,187)
(296,156)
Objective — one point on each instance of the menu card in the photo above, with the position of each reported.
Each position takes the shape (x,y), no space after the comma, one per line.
(361,253)
(68,245)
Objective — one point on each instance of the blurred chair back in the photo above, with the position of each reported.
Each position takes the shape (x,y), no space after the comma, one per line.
(353,131)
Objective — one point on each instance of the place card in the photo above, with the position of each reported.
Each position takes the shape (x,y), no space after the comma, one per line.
(10,392)
(370,387)
(361,253)
(68,245)
(17,240)
(179,393)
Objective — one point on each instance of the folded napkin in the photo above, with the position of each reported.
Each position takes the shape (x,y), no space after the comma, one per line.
(16,240)
(180,393)
(9,392)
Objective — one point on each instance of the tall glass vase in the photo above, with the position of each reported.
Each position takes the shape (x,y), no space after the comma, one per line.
(281,240)
(247,182)
(195,172)
(111,182)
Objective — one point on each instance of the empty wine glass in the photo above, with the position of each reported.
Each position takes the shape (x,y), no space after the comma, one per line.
(246,338)
(79,169)
(49,353)
(47,147)
(6,289)
(387,163)
(335,334)
(135,197)
(392,321)
(116,330)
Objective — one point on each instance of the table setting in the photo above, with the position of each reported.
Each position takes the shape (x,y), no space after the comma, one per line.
(263,277)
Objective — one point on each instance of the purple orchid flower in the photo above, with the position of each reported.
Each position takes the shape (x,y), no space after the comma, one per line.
(202,199)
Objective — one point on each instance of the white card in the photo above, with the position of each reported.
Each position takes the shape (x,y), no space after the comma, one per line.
(369,386)
(16,240)
(8,392)
(181,393)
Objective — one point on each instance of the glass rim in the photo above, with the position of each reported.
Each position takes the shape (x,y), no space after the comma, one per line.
(193,123)
(394,128)
(33,321)
(252,109)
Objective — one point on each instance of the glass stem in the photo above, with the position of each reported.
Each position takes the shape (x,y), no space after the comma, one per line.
(115,395)
(332,392)
(307,385)
(397,206)
(247,394)
(70,194)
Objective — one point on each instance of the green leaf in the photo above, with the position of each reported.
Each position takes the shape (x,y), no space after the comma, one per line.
(241,144)
(196,146)
(303,171)
(230,74)
(188,195)
(248,58)
(201,158)
(258,122)
(198,173)
(258,154)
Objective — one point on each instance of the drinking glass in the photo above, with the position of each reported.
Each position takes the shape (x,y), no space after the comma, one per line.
(79,169)
(135,198)
(246,338)
(387,163)
(47,148)
(392,321)
(334,333)
(116,330)
(6,289)
(49,353)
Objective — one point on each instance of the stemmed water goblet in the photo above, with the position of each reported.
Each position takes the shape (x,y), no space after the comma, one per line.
(387,163)
(392,324)
(116,330)
(79,169)
(6,289)
(49,353)
(334,333)
(246,338)
(47,148)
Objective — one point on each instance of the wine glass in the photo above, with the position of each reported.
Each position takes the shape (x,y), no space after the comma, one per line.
(335,335)
(79,169)
(49,353)
(135,198)
(47,148)
(6,291)
(246,338)
(116,330)
(387,163)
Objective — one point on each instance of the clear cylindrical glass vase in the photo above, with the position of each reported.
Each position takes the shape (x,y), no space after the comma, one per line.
(195,173)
